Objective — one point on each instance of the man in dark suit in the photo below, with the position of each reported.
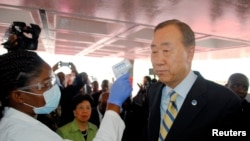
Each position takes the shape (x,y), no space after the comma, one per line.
(239,83)
(104,88)
(205,110)
(99,111)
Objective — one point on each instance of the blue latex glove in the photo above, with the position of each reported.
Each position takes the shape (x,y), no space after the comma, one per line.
(120,90)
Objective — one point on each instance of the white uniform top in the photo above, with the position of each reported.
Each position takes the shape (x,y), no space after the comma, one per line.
(18,126)
(111,128)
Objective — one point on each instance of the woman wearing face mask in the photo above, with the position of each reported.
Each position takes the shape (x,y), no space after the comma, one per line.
(27,89)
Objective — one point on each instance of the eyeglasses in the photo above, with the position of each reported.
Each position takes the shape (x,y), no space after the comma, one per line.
(41,85)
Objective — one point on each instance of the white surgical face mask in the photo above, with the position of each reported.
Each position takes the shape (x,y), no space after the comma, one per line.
(51,97)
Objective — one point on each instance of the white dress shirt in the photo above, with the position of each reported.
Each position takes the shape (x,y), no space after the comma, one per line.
(182,89)
(100,116)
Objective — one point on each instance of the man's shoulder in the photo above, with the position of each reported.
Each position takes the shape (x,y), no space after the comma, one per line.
(155,86)
(214,90)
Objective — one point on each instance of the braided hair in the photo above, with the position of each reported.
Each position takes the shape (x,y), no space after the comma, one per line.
(17,68)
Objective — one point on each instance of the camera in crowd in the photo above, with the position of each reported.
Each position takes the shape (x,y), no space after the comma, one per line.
(16,36)
(66,64)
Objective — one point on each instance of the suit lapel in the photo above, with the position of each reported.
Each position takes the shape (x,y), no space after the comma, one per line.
(154,94)
(192,105)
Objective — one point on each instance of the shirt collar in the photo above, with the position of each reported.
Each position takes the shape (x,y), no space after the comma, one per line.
(14,113)
(184,87)
(76,128)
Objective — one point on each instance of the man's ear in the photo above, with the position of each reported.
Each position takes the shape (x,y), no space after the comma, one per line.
(190,51)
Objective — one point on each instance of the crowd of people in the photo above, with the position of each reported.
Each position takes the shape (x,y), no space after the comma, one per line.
(37,104)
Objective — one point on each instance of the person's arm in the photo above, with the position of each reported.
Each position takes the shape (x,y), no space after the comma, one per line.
(55,67)
(73,68)
(113,107)
(112,126)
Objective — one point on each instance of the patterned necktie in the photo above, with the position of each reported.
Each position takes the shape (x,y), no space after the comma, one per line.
(168,117)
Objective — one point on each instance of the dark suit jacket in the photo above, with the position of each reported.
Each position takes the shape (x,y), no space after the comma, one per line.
(94,118)
(217,108)
(135,119)
(246,115)
(96,98)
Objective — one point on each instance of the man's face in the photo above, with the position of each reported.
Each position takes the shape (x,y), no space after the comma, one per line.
(105,86)
(62,78)
(239,85)
(171,60)
(145,81)
(102,103)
